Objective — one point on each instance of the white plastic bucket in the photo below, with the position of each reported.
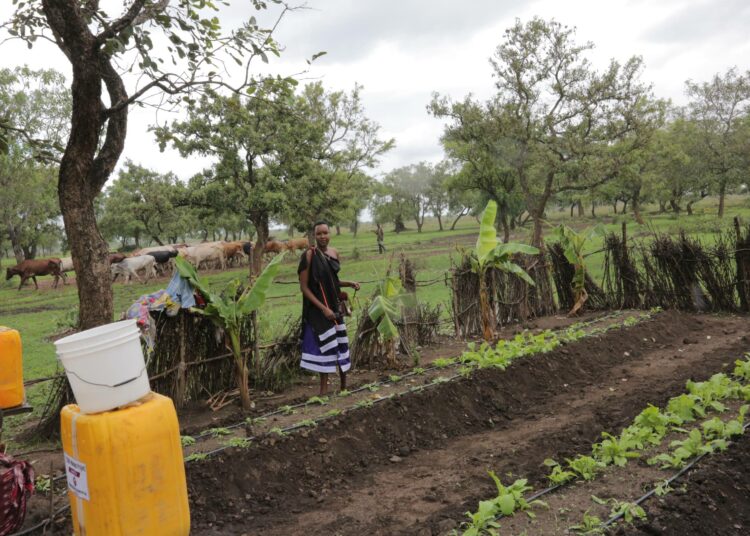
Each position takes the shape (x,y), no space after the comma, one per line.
(105,366)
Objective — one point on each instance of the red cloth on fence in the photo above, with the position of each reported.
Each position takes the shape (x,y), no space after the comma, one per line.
(16,486)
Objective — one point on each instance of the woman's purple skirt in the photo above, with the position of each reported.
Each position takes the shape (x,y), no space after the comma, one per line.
(322,353)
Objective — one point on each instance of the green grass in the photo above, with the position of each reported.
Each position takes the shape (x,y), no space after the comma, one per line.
(37,315)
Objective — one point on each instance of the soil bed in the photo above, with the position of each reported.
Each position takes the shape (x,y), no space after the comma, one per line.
(413,465)
(711,499)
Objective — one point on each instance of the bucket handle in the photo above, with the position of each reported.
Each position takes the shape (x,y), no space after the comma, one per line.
(106,385)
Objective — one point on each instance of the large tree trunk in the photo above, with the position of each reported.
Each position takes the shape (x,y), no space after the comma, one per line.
(536,239)
(261,228)
(593,209)
(579,204)
(29,251)
(722,194)
(86,165)
(675,207)
(637,210)
(15,244)
(460,215)
(614,206)
(689,207)
(662,206)
(338,230)
(504,225)
(440,221)
(398,224)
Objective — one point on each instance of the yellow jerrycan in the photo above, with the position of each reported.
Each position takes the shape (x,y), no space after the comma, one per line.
(125,470)
(11,369)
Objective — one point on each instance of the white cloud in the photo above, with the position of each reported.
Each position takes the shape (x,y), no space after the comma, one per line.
(401,51)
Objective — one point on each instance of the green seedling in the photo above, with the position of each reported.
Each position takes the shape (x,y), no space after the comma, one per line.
(196,457)
(590,526)
(218,432)
(278,431)
(43,483)
(419,371)
(344,393)
(558,474)
(585,466)
(287,410)
(332,413)
(443,362)
(320,400)
(239,442)
(395,378)
(365,403)
(187,440)
(307,423)
(615,451)
(252,421)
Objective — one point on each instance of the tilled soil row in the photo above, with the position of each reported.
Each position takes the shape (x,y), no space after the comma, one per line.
(711,499)
(414,464)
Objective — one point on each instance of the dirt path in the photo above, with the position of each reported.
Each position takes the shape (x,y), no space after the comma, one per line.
(413,465)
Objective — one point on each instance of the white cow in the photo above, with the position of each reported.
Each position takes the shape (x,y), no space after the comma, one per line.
(197,255)
(132,265)
(66,266)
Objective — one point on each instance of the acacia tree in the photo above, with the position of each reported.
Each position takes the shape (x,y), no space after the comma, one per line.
(560,124)
(102,50)
(324,170)
(720,109)
(475,139)
(247,135)
(143,201)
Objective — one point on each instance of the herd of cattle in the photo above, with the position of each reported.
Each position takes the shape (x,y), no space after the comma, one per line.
(152,261)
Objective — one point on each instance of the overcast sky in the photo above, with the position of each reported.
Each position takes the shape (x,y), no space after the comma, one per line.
(402,51)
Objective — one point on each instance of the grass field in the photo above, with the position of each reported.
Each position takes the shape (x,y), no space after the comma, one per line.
(39,314)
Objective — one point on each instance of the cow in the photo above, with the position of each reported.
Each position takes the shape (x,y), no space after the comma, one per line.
(197,255)
(130,267)
(65,267)
(233,252)
(247,248)
(274,246)
(297,243)
(163,258)
(31,268)
(116,257)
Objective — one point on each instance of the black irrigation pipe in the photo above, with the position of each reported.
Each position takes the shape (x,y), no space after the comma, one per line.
(418,388)
(674,477)
(208,433)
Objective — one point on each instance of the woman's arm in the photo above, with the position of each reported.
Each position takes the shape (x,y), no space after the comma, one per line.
(352,284)
(304,278)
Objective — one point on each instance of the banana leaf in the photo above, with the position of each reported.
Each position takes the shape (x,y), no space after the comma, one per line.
(256,297)
(487,239)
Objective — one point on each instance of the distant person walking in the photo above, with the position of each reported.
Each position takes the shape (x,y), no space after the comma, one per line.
(379,235)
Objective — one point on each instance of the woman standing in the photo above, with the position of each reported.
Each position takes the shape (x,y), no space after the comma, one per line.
(325,345)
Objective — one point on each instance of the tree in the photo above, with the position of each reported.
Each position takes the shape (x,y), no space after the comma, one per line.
(248,135)
(324,171)
(720,108)
(438,198)
(405,194)
(143,202)
(102,50)
(476,140)
(29,210)
(564,126)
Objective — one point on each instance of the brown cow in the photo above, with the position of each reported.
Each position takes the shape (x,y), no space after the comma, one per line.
(274,246)
(31,268)
(296,243)
(116,257)
(233,251)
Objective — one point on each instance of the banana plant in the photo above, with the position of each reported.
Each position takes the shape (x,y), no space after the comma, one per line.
(229,308)
(490,252)
(387,309)
(573,244)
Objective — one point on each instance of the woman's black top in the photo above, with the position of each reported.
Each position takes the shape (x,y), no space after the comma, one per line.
(324,283)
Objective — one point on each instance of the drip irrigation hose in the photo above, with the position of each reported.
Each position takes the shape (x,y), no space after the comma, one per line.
(674,477)
(296,426)
(207,433)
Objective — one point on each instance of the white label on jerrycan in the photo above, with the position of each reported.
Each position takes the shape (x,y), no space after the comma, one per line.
(78,482)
